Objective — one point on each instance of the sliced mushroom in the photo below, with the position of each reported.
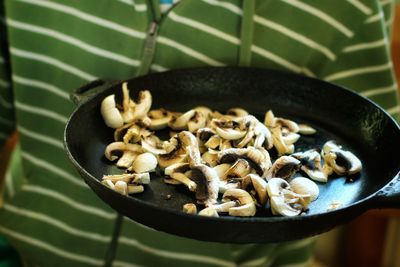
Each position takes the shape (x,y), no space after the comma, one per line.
(229,184)
(190,208)
(237,112)
(284,167)
(153,145)
(121,187)
(135,189)
(198,121)
(239,169)
(180,121)
(145,162)
(159,118)
(137,178)
(208,211)
(142,106)
(311,165)
(255,157)
(304,186)
(342,162)
(244,204)
(210,158)
(110,113)
(260,187)
(278,141)
(127,104)
(126,152)
(132,135)
(288,124)
(306,129)
(191,185)
(263,136)
(176,153)
(279,205)
(230,134)
(207,182)
(177,167)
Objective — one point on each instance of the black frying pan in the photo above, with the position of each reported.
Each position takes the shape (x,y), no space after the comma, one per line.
(337,113)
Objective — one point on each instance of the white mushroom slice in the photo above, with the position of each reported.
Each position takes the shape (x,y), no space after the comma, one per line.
(239,169)
(116,149)
(135,189)
(263,136)
(237,112)
(153,145)
(121,187)
(290,138)
(197,121)
(280,145)
(126,177)
(189,208)
(210,158)
(260,186)
(224,207)
(225,144)
(143,105)
(275,189)
(311,165)
(176,152)
(108,183)
(285,123)
(342,162)
(213,142)
(132,135)
(228,184)
(246,139)
(245,206)
(184,180)
(145,162)
(169,180)
(305,129)
(204,110)
(221,169)
(230,134)
(284,167)
(269,119)
(126,160)
(209,211)
(207,182)
(159,119)
(254,156)
(177,167)
(180,122)
(111,115)
(141,178)
(127,104)
(304,186)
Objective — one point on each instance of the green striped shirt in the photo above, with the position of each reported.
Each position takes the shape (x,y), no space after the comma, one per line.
(50,47)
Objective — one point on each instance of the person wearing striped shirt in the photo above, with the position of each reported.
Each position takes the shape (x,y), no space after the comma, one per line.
(49,48)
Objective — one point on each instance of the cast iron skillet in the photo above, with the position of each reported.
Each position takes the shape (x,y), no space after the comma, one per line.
(337,113)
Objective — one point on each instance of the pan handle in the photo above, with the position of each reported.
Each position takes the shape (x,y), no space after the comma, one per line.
(389,196)
(84,92)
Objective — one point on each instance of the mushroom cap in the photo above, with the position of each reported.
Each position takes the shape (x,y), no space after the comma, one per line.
(207,182)
(284,167)
(111,115)
(305,186)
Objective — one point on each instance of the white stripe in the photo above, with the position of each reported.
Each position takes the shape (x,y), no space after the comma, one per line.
(281,61)
(323,16)
(5,104)
(40,85)
(9,183)
(308,72)
(51,248)
(6,122)
(379,91)
(158,68)
(68,201)
(374,18)
(226,5)
(357,71)
(263,261)
(40,137)
(138,7)
(204,27)
(41,111)
(363,46)
(4,84)
(393,110)
(57,223)
(295,36)
(52,61)
(360,6)
(73,41)
(124,264)
(54,169)
(87,17)
(174,255)
(188,51)
(385,2)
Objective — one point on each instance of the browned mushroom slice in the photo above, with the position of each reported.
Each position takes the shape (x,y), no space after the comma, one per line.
(143,105)
(153,145)
(176,155)
(284,167)
(159,118)
(343,162)
(207,182)
(180,121)
(198,121)
(125,152)
(255,157)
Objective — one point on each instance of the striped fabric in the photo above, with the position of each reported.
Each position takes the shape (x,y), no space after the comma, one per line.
(50,47)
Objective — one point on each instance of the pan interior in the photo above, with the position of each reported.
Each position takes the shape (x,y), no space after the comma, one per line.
(336,113)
